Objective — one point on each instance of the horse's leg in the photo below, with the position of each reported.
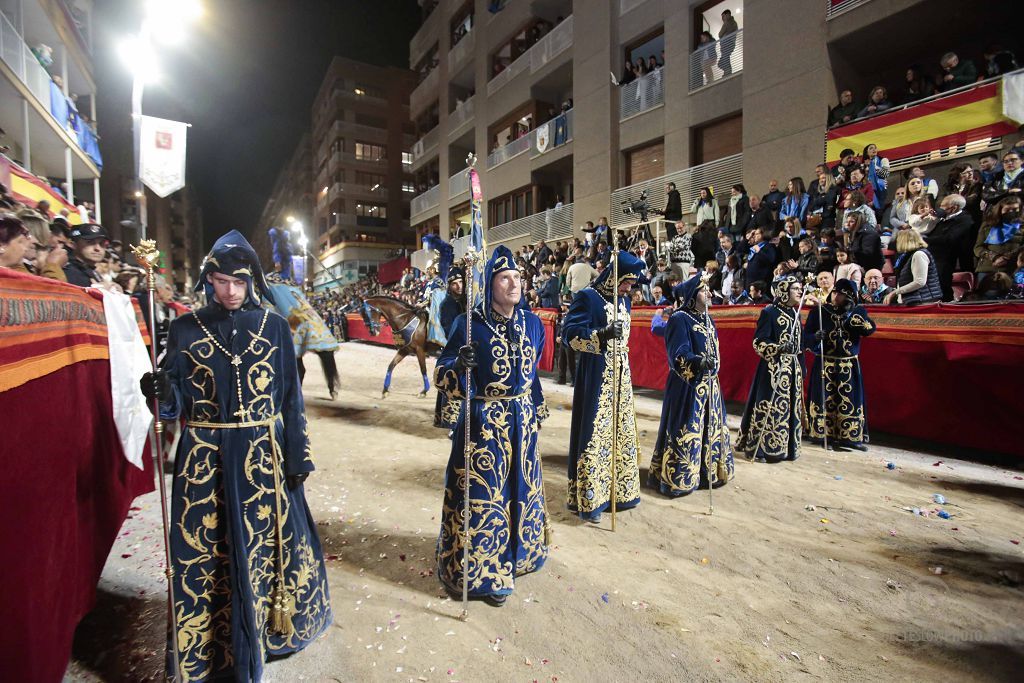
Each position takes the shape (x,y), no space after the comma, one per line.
(387,378)
(421,356)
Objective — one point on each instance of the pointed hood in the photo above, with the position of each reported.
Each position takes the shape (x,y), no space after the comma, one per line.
(685,293)
(630,268)
(233,255)
(501,260)
(780,289)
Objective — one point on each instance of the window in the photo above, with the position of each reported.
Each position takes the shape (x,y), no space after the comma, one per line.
(518,204)
(362,89)
(719,139)
(371,210)
(369,179)
(407,186)
(407,158)
(367,151)
(644,163)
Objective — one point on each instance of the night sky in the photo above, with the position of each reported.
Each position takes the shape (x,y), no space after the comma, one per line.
(245,79)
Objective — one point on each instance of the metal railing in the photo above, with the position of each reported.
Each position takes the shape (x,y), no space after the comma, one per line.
(509,151)
(720,174)
(425,144)
(425,91)
(458,184)
(460,51)
(551,134)
(551,224)
(836,7)
(554,43)
(356,190)
(643,94)
(425,201)
(716,61)
(517,67)
(460,116)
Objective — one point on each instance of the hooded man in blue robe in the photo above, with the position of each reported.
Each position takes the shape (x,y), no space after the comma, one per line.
(588,329)
(693,439)
(507,518)
(771,426)
(249,579)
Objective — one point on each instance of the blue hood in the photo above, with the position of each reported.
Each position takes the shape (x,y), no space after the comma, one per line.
(630,268)
(233,255)
(686,292)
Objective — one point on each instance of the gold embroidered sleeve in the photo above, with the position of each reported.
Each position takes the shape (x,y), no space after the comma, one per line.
(586,345)
(860,323)
(766,349)
(449,382)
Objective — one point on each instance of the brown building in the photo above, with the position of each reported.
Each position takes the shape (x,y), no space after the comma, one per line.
(290,204)
(360,158)
(533,89)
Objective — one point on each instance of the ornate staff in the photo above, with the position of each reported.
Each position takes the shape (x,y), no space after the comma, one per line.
(613,494)
(148,255)
(824,396)
(721,444)
(474,252)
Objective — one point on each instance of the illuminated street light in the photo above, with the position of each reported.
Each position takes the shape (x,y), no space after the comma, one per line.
(289,219)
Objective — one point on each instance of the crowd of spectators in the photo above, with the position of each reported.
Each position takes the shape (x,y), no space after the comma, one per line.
(951,73)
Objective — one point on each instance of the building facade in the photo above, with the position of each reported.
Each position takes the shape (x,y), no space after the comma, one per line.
(48,98)
(360,148)
(538,90)
(290,204)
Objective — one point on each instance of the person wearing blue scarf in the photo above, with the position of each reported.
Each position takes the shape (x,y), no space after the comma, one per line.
(1000,238)
(248,569)
(588,330)
(692,434)
(508,521)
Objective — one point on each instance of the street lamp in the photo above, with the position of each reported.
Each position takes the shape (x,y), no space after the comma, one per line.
(304,243)
(164,20)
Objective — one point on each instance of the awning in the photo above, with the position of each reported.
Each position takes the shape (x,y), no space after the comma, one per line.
(29,190)
(955,119)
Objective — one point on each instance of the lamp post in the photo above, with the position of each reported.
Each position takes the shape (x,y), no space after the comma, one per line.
(164,20)
(296,227)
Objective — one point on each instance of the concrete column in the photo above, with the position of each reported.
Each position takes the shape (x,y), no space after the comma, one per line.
(596,110)
(96,201)
(64,69)
(26,140)
(69,176)
(678,115)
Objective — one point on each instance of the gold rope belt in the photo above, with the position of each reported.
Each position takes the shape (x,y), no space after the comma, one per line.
(488,399)
(840,357)
(282,604)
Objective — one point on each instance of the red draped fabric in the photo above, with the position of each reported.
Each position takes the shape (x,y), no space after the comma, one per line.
(391,271)
(943,373)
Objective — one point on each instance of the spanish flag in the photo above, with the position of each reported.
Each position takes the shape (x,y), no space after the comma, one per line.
(28,189)
(960,118)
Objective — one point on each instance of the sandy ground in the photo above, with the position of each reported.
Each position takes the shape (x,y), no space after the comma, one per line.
(767,588)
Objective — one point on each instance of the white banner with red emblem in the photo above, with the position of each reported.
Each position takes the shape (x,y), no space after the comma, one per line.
(162,154)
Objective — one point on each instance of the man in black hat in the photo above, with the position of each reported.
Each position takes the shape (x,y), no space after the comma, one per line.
(89,246)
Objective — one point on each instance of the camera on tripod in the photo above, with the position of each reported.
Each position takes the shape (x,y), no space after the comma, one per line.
(637,206)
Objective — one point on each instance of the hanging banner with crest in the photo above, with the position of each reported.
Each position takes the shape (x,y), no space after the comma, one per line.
(162,154)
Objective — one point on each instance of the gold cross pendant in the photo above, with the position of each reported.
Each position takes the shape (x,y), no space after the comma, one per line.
(242,413)
(236,361)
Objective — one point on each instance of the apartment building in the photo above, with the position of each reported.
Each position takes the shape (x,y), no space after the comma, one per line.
(533,88)
(361,141)
(48,102)
(291,203)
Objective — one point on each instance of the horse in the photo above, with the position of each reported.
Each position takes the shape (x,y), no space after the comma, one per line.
(409,326)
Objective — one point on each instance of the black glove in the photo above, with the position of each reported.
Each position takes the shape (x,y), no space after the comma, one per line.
(614,330)
(706,364)
(819,335)
(467,358)
(155,385)
(295,480)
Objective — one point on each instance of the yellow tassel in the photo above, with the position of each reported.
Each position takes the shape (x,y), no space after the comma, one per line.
(281,613)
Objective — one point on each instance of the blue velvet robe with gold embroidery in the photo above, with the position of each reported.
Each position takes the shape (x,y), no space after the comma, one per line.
(844,395)
(692,432)
(507,512)
(590,438)
(771,426)
(227,492)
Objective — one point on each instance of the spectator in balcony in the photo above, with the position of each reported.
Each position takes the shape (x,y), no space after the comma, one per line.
(543,254)
(917,276)
(579,275)
(874,289)
(739,209)
(15,242)
(787,240)
(773,198)
(757,293)
(948,239)
(1008,182)
(673,208)
(628,73)
(826,251)
(918,85)
(1000,238)
(844,112)
(760,216)
(988,167)
(857,182)
(760,259)
(877,170)
(899,211)
(931,187)
(807,262)
(726,248)
(704,243)
(727,40)
(857,202)
(680,253)
(847,269)
(547,289)
(795,202)
(640,67)
(847,162)
(705,207)
(821,209)
(89,243)
(864,242)
(966,182)
(732,273)
(878,102)
(999,61)
(708,54)
(652,64)
(923,217)
(956,73)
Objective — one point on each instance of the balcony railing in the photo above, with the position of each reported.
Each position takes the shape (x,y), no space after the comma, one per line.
(547,48)
(425,92)
(426,201)
(720,174)
(355,190)
(16,54)
(835,7)
(626,5)
(461,116)
(551,134)
(335,160)
(425,145)
(642,94)
(460,52)
(716,61)
(552,224)
(508,151)
(458,184)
